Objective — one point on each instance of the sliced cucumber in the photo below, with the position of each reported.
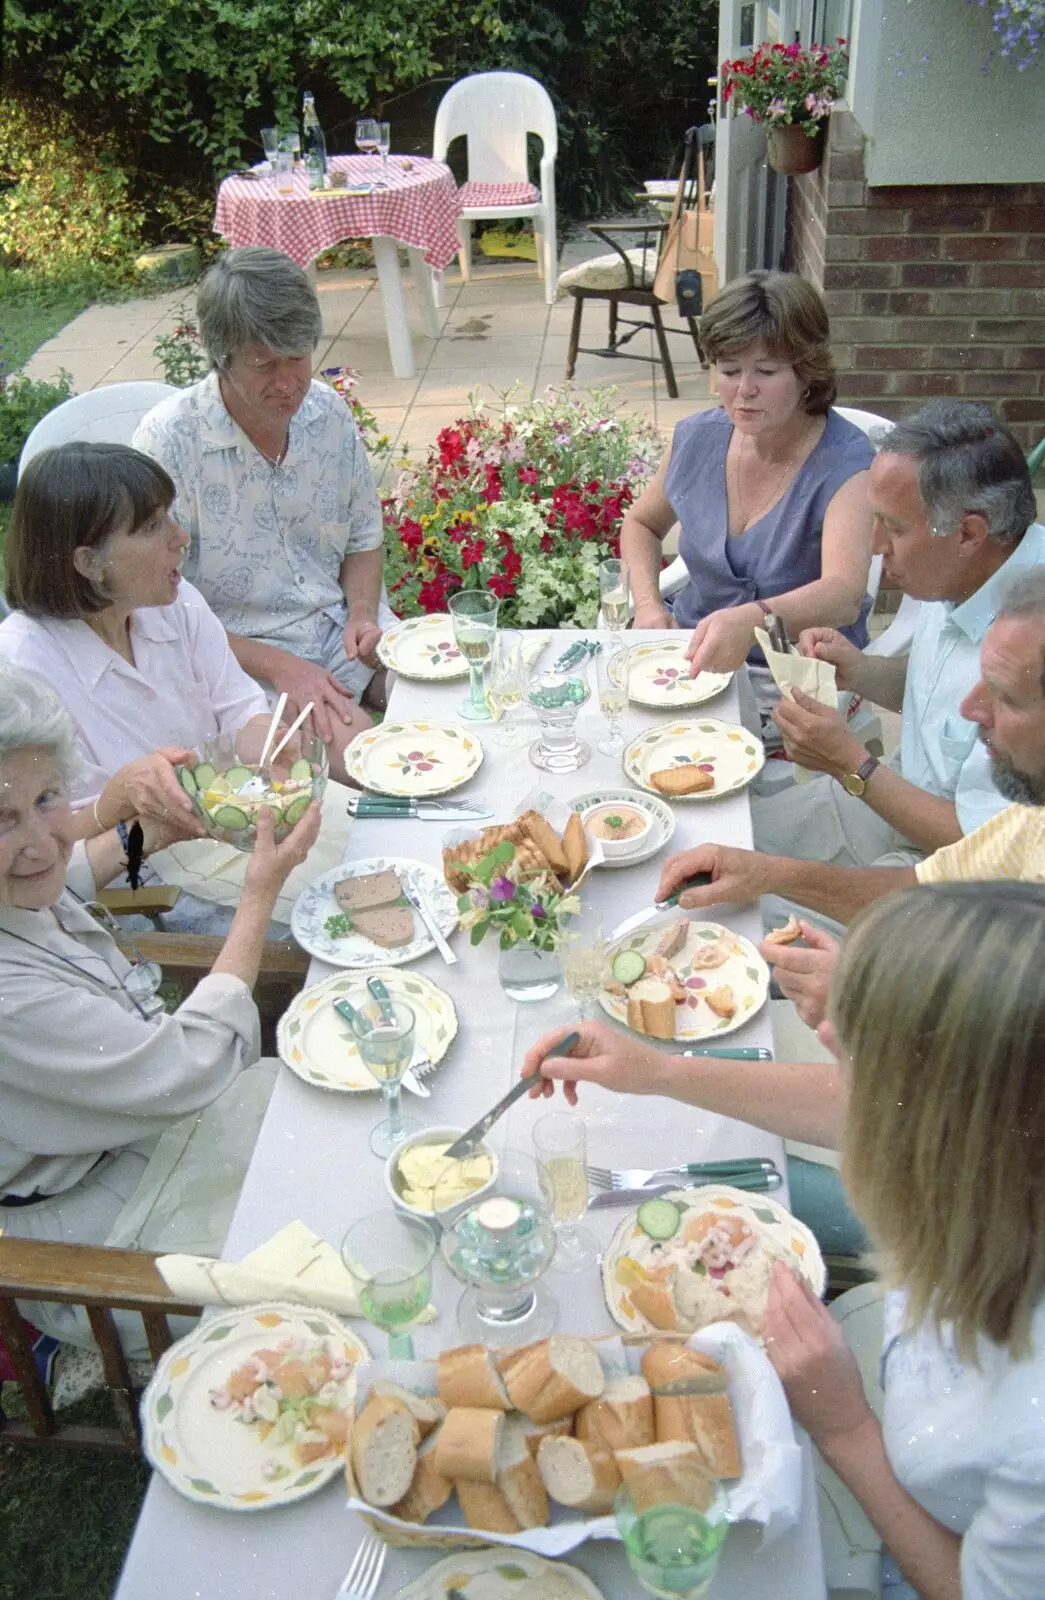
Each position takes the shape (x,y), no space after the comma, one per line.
(237,776)
(659,1219)
(230,817)
(204,775)
(187,781)
(301,771)
(629,966)
(296,809)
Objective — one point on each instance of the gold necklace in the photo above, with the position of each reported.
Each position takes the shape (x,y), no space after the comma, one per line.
(747,518)
(278,459)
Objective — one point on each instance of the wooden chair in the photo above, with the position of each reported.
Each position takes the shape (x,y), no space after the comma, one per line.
(102,1281)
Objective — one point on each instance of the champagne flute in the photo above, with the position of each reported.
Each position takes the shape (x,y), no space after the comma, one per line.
(474,615)
(382,144)
(386,1047)
(584,965)
(612,672)
(673,1550)
(389,1258)
(560,1148)
(507,682)
(615,594)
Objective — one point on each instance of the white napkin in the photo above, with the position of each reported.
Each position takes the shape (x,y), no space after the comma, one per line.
(790,671)
(295,1264)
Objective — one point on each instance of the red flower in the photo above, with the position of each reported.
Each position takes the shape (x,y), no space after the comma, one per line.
(432,596)
(511,564)
(472,553)
(494,487)
(529,475)
(411,534)
(501,586)
(547,544)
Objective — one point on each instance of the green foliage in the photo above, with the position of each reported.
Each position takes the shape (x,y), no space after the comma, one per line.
(32,312)
(180,353)
(23,401)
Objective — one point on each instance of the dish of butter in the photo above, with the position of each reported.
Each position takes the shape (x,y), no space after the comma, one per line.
(423,1166)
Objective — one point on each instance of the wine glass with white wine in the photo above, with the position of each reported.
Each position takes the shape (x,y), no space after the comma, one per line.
(612,669)
(614,594)
(505,690)
(474,616)
(585,961)
(560,1148)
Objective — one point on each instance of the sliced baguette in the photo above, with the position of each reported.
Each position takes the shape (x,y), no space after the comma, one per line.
(707,1421)
(621,1418)
(656,1302)
(384,1451)
(575,847)
(550,1379)
(676,1369)
(369,890)
(682,780)
(520,1482)
(427,1411)
(484,1507)
(579,1474)
(665,1474)
(516,1426)
(468,1376)
(429,1490)
(651,1008)
(547,841)
(469,1441)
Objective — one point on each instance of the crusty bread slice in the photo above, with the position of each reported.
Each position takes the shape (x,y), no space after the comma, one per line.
(384,1450)
(516,1426)
(469,1442)
(622,1416)
(665,1474)
(579,1474)
(682,780)
(390,927)
(429,1490)
(547,841)
(468,1376)
(656,1302)
(712,1428)
(651,1008)
(426,1410)
(520,1482)
(676,1369)
(484,1507)
(367,891)
(575,847)
(552,1378)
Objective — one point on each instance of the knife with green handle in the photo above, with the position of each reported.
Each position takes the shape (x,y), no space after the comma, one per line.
(478,1131)
(383,998)
(410,1081)
(699,880)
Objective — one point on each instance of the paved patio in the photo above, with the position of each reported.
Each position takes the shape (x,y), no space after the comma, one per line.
(496,333)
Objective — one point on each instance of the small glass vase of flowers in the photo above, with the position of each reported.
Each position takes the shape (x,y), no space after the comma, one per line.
(529,912)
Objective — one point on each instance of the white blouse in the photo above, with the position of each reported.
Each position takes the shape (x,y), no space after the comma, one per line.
(969,1444)
(81,1071)
(185,685)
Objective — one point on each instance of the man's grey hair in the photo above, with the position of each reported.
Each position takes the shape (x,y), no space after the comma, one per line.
(257,296)
(967,461)
(32,714)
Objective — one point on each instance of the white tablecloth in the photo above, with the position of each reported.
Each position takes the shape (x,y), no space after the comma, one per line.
(312,1161)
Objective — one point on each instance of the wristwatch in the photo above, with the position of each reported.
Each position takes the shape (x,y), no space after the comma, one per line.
(855,783)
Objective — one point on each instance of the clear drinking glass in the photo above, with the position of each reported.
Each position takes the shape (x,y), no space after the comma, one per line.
(383,143)
(585,962)
(557,698)
(389,1258)
(561,1148)
(612,668)
(270,145)
(387,1048)
(615,594)
(505,692)
(284,169)
(673,1550)
(474,615)
(366,135)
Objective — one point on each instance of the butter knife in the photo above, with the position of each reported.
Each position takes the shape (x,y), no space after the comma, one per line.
(416,899)
(468,1140)
(699,880)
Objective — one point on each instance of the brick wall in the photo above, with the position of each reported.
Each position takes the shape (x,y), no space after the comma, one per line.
(932,290)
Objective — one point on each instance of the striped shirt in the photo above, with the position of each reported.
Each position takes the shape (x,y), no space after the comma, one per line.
(1010,845)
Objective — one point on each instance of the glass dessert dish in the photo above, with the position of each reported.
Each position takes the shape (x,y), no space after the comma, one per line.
(557,698)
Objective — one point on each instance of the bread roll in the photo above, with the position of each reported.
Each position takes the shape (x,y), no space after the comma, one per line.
(384,1451)
(665,1474)
(468,1376)
(483,1506)
(426,1410)
(516,1426)
(428,1491)
(579,1474)
(550,1379)
(520,1483)
(468,1444)
(678,1369)
(622,1416)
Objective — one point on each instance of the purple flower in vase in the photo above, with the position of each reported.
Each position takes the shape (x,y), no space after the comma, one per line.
(502,889)
(538,913)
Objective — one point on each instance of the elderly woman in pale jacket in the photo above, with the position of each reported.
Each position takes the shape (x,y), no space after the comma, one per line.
(92,1072)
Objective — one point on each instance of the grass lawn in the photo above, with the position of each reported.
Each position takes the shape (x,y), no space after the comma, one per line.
(32,312)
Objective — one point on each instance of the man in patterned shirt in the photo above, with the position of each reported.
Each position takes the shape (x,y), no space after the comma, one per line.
(275,490)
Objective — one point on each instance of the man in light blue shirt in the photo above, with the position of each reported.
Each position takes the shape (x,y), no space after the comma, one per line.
(954,523)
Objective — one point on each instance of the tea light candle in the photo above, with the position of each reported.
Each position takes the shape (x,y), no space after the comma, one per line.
(498,1214)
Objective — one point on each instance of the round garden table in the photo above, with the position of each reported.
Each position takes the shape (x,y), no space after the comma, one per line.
(419,209)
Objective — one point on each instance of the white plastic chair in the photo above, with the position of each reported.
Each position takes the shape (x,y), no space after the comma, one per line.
(107,415)
(851,1545)
(495,111)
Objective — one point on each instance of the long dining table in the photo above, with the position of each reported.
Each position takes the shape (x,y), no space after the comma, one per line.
(312,1161)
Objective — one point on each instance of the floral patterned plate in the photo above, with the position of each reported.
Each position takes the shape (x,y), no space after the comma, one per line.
(204,1453)
(660,834)
(317,1044)
(712,957)
(316,903)
(658,675)
(423,648)
(731,754)
(781,1234)
(414,758)
(500,1574)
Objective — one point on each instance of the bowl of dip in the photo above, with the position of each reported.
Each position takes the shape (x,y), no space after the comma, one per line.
(619,828)
(416,1166)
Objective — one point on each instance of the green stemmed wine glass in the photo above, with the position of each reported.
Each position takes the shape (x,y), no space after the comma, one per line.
(389,1258)
(673,1550)
(474,614)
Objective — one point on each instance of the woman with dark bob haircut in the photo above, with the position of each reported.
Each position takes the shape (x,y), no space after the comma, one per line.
(769,487)
(102,614)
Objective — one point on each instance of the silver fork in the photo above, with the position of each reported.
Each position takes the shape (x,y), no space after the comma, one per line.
(364,1575)
(758,1173)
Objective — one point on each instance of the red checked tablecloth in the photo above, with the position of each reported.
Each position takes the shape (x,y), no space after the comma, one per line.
(420,208)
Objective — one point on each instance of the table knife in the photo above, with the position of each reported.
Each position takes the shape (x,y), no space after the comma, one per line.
(383,998)
(417,900)
(410,1081)
(699,880)
(468,1140)
(738,1052)
(378,808)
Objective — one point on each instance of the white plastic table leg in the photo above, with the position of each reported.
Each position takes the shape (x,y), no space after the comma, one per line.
(422,275)
(400,347)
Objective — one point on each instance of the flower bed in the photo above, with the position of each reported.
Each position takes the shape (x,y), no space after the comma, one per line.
(525,503)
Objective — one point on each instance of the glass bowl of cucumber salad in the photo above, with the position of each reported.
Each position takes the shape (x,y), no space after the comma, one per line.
(228,792)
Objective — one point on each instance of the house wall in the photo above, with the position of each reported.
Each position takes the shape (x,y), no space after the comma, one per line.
(934,289)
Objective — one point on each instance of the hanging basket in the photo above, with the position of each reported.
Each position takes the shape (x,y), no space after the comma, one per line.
(792,150)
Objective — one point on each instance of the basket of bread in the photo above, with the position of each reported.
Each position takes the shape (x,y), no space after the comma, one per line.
(542,857)
(529,1446)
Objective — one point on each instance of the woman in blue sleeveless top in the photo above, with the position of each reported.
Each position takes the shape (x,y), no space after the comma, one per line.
(769,487)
